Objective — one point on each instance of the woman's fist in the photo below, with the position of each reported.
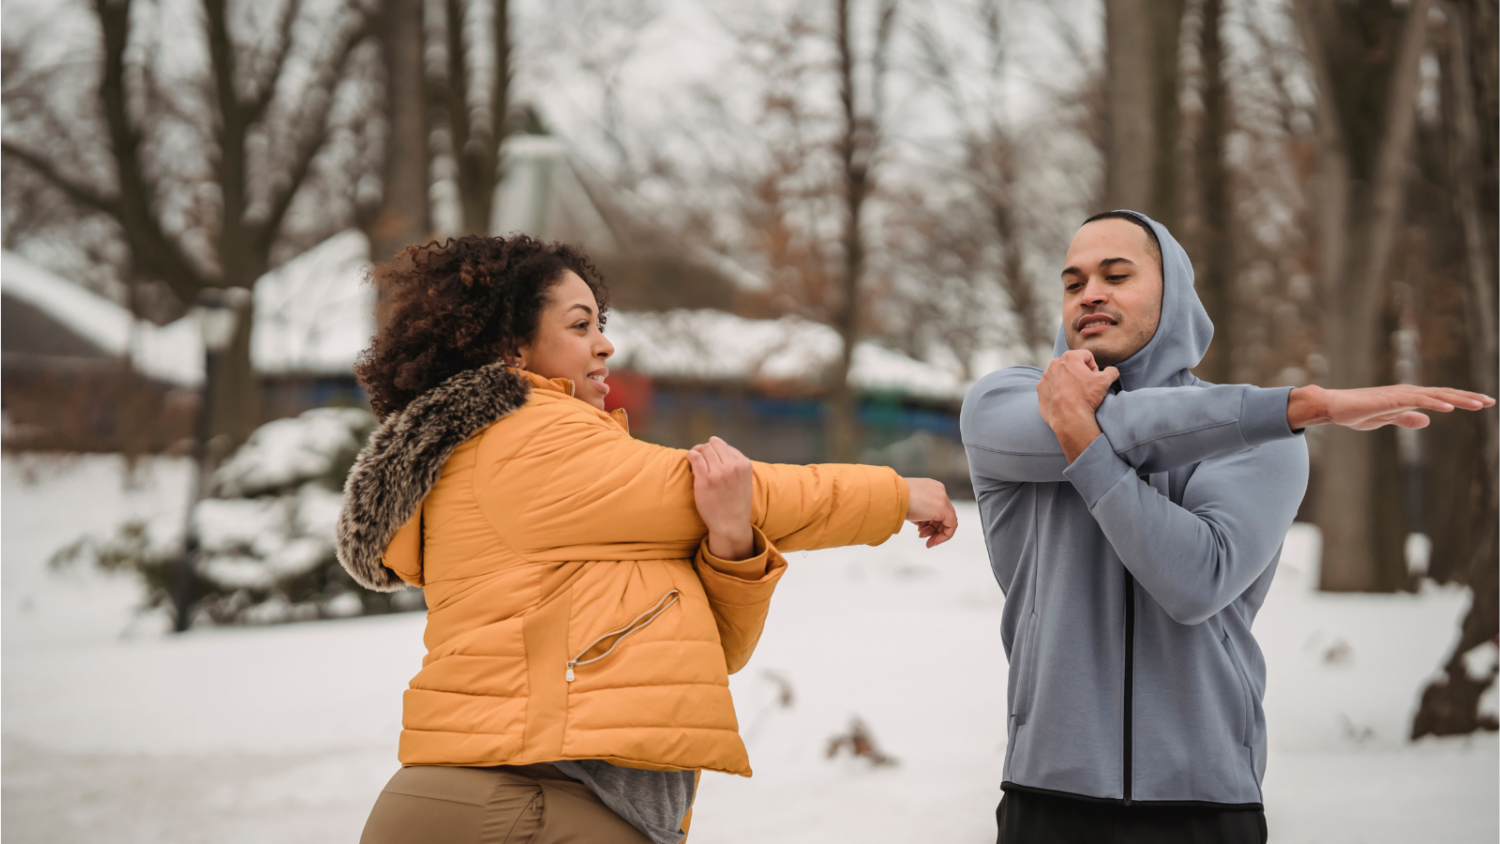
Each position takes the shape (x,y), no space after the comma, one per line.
(931,511)
(722,485)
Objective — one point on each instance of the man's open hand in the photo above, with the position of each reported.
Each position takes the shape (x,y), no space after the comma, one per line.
(1374,407)
(1068,395)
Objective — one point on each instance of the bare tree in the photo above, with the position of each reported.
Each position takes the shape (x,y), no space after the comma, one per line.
(471,97)
(1143,117)
(404,215)
(1450,703)
(858,147)
(804,200)
(1208,229)
(196,173)
(1366,109)
(980,239)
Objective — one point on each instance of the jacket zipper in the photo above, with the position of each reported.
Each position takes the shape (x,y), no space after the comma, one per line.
(1129,677)
(1128,727)
(635,624)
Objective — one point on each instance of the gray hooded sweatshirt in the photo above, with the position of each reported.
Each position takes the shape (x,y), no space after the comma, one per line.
(1133,575)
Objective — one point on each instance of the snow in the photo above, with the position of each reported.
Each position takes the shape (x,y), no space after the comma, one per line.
(315,313)
(115,730)
(254,543)
(716,345)
(1480,661)
(286,451)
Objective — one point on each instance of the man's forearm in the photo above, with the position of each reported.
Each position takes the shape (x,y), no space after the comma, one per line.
(1162,428)
(1306,406)
(1076,431)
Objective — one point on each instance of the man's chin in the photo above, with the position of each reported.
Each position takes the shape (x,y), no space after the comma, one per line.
(1105,353)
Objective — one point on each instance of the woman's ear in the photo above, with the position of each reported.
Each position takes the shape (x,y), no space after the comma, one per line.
(517,357)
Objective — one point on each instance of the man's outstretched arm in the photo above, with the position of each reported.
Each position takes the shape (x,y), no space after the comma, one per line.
(1009,438)
(1155,430)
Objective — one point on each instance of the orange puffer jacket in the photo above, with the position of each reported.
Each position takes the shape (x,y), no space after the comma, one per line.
(574,611)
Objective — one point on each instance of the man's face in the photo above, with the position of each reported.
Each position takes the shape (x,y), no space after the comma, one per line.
(1111,290)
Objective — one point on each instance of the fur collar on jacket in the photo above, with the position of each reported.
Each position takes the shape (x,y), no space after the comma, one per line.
(404,458)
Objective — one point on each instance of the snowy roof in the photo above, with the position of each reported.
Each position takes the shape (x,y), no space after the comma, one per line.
(314,314)
(716,345)
(172,352)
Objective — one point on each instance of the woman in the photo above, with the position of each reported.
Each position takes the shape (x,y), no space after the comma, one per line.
(588,594)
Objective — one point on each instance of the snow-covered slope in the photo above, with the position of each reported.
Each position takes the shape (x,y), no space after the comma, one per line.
(115,731)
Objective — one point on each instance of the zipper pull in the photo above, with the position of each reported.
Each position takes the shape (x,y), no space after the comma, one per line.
(569,675)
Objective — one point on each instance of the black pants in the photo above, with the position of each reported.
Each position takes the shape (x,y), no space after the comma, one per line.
(1030,818)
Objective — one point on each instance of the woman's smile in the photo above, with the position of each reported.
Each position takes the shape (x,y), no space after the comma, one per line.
(597,379)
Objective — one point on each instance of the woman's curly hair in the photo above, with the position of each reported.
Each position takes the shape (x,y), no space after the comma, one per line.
(460,305)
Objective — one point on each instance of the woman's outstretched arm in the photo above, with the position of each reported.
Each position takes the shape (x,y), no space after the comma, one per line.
(593,486)
(829,505)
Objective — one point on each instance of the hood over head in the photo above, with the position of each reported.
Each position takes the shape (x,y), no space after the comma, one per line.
(1182,335)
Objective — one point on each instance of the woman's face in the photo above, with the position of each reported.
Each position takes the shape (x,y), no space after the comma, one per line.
(568,341)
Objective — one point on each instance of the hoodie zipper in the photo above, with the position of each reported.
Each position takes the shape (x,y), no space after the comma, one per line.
(1129,738)
(635,624)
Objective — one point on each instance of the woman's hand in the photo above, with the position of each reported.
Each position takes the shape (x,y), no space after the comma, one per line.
(930,510)
(722,487)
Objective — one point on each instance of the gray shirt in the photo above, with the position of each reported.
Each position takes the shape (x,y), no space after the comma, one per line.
(654,802)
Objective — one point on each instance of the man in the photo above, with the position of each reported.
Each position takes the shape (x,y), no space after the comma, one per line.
(1134,516)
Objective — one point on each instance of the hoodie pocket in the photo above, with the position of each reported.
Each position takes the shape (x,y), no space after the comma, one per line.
(1025,671)
(619,635)
(1247,697)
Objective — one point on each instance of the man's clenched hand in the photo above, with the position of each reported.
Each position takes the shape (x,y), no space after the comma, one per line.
(1068,395)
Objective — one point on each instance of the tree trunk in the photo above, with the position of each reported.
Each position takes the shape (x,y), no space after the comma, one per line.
(1357,227)
(1035,331)
(404,215)
(236,394)
(1450,704)
(854,159)
(476,133)
(1140,167)
(1211,243)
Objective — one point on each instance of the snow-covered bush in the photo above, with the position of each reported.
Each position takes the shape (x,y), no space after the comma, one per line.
(265,532)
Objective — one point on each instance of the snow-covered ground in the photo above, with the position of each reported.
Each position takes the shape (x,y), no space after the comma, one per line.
(114,731)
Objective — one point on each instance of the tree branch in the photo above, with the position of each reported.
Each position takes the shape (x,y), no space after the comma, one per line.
(75,191)
(153,253)
(312,140)
(267,88)
(1395,144)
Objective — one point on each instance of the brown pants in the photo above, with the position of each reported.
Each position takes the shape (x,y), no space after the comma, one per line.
(535,804)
